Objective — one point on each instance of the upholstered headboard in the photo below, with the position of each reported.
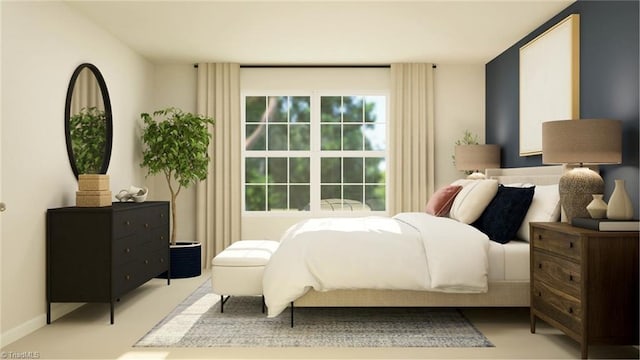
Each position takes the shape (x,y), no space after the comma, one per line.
(538,175)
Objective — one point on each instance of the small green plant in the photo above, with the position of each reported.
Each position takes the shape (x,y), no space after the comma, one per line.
(467,139)
(87,129)
(176,145)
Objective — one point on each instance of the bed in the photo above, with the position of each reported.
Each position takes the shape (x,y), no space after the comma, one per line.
(505,272)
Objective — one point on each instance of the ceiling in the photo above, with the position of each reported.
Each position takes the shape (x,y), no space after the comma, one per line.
(320,32)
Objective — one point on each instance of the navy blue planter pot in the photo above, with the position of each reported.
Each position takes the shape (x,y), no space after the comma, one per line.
(185,260)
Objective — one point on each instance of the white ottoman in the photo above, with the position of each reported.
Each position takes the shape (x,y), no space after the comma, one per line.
(238,269)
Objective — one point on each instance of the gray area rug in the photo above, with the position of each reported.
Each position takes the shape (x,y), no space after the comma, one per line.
(197,322)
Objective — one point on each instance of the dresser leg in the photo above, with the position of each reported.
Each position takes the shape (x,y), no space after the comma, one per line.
(533,324)
(48,312)
(112,311)
(584,348)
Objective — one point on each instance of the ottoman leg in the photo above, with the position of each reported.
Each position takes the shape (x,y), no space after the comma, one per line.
(222,301)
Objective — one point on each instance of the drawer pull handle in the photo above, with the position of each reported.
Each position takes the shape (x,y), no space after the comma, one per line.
(127,222)
(162,215)
(570,277)
(146,262)
(539,265)
(161,260)
(539,293)
(570,310)
(571,245)
(146,226)
(127,250)
(539,236)
(127,277)
(161,237)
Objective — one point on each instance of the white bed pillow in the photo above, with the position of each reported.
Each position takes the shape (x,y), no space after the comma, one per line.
(472,199)
(545,206)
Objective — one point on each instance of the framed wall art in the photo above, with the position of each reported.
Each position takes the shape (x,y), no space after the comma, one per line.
(549,81)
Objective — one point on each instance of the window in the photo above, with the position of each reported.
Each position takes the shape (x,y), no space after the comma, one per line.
(315,152)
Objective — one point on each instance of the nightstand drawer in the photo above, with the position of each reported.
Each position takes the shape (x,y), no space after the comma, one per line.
(561,274)
(558,305)
(558,243)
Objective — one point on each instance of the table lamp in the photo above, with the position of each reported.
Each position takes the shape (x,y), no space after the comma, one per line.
(581,142)
(477,158)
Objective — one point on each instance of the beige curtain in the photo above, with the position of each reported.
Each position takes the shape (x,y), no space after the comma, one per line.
(411,143)
(219,196)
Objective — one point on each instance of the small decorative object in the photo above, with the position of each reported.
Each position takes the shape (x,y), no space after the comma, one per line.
(93,190)
(620,207)
(133,193)
(597,208)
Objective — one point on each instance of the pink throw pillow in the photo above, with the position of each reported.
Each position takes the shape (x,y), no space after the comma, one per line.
(440,202)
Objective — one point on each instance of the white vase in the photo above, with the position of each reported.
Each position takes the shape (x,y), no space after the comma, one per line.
(597,208)
(620,207)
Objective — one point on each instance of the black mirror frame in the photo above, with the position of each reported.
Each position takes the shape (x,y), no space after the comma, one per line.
(108,117)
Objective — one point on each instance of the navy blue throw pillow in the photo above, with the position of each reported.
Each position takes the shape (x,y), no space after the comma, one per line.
(504,214)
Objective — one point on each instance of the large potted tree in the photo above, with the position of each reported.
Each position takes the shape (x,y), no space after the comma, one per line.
(176,145)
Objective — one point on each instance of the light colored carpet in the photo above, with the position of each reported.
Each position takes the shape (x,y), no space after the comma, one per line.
(197,322)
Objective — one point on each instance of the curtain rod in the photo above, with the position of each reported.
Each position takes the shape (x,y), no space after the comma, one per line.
(250,66)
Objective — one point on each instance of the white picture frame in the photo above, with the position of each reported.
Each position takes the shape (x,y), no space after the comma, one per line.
(549,81)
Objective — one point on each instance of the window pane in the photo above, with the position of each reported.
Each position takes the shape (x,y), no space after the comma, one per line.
(254,196)
(375,137)
(352,137)
(255,171)
(353,192)
(300,107)
(330,170)
(299,137)
(353,170)
(374,197)
(299,170)
(255,137)
(331,137)
(352,106)
(375,170)
(376,109)
(300,197)
(278,170)
(277,197)
(330,108)
(278,137)
(255,107)
(280,109)
(331,192)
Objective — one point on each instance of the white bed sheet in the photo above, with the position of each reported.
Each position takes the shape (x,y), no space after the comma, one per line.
(509,262)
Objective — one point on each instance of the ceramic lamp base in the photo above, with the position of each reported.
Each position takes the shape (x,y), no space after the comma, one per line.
(576,187)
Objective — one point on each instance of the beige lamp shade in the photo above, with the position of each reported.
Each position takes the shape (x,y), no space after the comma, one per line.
(585,141)
(477,157)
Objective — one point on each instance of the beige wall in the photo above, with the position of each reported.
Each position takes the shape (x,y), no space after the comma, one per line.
(459,102)
(42,43)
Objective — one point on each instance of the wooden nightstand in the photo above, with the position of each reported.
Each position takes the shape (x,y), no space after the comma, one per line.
(585,283)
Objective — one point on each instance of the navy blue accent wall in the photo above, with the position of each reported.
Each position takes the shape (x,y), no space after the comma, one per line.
(609,78)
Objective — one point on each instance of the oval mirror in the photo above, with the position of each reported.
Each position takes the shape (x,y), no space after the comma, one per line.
(88,122)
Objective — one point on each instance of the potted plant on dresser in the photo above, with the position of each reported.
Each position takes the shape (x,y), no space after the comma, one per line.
(176,145)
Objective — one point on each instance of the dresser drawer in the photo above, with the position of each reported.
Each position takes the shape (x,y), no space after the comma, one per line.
(126,223)
(154,217)
(558,243)
(558,272)
(558,305)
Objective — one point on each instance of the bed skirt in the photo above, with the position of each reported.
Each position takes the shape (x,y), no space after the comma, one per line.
(500,294)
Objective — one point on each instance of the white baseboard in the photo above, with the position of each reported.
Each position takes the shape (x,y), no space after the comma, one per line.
(26,328)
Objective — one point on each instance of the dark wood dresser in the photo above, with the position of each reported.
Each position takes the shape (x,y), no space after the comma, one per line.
(97,254)
(585,283)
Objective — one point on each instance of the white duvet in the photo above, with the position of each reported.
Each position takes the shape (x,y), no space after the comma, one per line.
(410,251)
